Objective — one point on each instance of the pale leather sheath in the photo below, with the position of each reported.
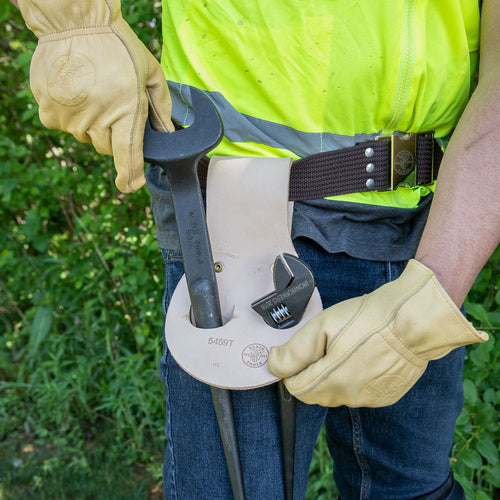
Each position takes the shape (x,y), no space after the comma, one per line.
(248,223)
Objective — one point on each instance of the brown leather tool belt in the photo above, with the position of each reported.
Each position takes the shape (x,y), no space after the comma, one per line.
(379,165)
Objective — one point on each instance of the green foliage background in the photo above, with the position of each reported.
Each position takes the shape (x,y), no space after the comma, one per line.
(81,405)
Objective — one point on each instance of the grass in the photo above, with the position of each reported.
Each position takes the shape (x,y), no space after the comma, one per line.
(102,468)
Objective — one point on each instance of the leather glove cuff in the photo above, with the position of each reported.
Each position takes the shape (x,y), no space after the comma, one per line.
(47,17)
(425,318)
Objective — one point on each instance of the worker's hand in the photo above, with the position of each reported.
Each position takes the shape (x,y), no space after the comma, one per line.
(93,77)
(370,350)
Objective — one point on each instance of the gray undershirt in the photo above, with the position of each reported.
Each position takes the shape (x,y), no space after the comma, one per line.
(363,231)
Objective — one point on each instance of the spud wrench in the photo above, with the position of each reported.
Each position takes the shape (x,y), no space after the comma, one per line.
(178,154)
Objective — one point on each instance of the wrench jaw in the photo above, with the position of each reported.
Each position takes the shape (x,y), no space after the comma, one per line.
(189,144)
(294,285)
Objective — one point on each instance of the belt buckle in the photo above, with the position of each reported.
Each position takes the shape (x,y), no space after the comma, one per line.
(403,159)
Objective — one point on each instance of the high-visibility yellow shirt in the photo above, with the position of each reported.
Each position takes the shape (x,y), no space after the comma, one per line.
(296,77)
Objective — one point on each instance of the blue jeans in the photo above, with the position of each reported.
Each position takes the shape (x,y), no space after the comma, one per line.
(398,452)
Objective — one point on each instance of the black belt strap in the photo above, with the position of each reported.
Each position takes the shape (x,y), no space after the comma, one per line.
(368,166)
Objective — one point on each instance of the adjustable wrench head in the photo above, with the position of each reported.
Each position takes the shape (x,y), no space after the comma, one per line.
(294,284)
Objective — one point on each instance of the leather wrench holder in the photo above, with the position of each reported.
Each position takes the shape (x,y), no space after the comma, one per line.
(247,218)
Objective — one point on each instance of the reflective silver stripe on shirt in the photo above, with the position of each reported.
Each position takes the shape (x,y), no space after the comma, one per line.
(239,127)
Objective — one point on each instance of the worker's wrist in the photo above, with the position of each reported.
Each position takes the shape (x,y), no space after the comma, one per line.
(447,272)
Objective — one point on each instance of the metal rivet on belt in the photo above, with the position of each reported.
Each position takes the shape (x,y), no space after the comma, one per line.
(370,183)
(370,168)
(369,152)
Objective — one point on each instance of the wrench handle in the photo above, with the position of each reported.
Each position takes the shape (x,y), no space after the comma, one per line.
(288,416)
(178,155)
(204,296)
(195,245)
(223,405)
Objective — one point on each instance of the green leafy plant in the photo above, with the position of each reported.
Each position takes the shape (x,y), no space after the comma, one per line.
(80,310)
(475,457)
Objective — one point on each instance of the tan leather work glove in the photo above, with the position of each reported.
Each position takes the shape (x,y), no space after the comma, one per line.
(93,77)
(370,350)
